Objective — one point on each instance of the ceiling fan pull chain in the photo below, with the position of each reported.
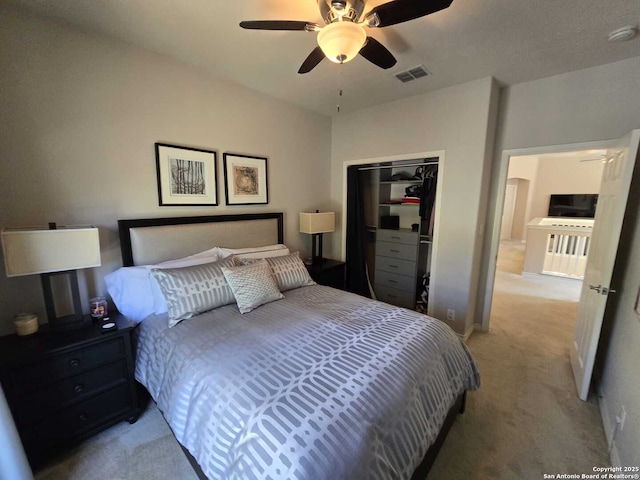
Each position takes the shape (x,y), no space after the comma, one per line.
(340,91)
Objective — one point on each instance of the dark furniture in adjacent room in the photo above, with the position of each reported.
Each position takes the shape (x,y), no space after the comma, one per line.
(63,387)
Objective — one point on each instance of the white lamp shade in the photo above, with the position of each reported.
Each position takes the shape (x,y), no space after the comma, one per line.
(341,41)
(32,251)
(323,222)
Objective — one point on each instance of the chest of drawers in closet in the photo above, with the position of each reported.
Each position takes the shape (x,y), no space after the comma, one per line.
(396,267)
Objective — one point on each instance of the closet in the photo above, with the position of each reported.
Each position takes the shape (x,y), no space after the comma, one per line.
(399,201)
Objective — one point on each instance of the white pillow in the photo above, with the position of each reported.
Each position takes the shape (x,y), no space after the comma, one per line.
(130,289)
(137,294)
(196,259)
(276,250)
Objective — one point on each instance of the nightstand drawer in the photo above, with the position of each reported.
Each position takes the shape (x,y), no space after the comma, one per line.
(54,369)
(393,280)
(38,405)
(395,265)
(397,250)
(75,420)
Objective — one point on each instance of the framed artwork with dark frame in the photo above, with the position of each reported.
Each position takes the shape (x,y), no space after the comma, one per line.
(187,177)
(245,179)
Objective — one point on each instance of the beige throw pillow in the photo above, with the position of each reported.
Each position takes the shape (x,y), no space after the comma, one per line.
(252,285)
(193,290)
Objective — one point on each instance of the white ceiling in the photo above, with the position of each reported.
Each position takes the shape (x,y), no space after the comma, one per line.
(513,41)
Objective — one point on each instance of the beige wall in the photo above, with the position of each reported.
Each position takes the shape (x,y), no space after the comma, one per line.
(561,175)
(598,103)
(458,120)
(525,169)
(79,117)
(550,174)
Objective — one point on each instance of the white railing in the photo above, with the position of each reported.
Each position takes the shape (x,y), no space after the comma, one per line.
(558,246)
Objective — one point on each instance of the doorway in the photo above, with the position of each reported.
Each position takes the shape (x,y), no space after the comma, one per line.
(527,207)
(619,161)
(540,269)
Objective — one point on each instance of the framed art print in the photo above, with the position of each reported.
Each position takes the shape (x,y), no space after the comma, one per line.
(186,176)
(245,179)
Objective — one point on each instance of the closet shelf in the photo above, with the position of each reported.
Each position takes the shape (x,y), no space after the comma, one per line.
(401,182)
(405,230)
(399,204)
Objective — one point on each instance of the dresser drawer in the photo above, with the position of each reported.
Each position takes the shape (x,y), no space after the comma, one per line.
(393,280)
(76,420)
(395,265)
(394,296)
(51,370)
(36,406)
(397,250)
(397,236)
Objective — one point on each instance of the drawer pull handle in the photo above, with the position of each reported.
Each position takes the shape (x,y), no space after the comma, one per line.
(391,281)
(392,296)
(396,238)
(74,363)
(83,417)
(78,388)
(393,266)
(394,251)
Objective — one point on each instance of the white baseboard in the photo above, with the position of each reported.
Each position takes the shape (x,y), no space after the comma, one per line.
(609,429)
(465,336)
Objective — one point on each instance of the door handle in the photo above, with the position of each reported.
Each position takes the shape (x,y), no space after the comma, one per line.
(602,290)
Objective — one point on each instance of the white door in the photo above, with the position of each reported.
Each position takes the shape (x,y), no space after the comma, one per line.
(508,210)
(612,201)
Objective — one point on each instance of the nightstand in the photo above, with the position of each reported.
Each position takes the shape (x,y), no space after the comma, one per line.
(330,273)
(63,387)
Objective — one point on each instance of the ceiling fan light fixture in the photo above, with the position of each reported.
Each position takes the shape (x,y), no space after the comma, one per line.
(341,41)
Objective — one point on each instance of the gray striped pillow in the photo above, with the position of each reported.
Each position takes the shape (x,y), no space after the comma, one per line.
(289,270)
(193,290)
(253,285)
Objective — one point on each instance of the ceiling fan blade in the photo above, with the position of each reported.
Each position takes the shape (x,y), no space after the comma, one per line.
(312,60)
(279,25)
(398,11)
(377,54)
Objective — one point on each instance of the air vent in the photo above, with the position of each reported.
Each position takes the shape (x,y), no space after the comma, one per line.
(412,74)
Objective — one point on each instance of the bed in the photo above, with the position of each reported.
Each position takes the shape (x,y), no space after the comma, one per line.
(321,384)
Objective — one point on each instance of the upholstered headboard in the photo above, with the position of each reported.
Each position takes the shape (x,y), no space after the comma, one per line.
(151,240)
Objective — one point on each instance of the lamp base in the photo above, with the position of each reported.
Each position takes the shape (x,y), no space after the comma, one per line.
(67,322)
(316,249)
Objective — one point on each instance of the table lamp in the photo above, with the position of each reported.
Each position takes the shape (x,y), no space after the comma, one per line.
(316,224)
(52,252)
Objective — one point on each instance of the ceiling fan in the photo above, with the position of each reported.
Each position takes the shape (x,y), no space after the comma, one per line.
(343,37)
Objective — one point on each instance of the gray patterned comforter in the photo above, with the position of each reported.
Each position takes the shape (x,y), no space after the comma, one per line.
(320,385)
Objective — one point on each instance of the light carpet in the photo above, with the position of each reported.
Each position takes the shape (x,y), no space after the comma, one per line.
(526,420)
